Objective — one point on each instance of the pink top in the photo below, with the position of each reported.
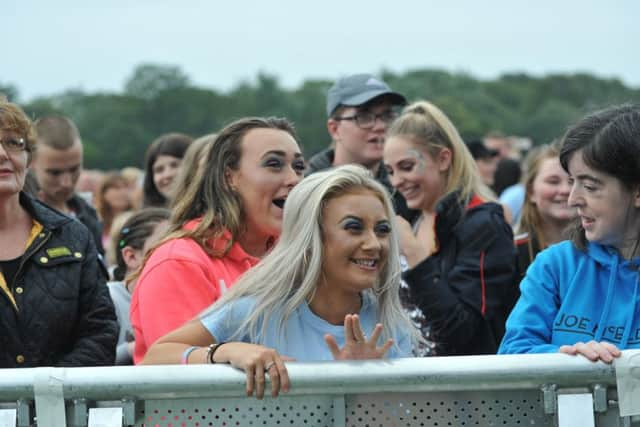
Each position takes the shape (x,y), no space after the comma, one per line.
(177,282)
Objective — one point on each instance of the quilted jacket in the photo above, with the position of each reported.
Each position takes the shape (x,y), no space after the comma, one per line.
(61,313)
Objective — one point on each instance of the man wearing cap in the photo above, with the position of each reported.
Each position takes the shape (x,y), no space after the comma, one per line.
(486,159)
(360,107)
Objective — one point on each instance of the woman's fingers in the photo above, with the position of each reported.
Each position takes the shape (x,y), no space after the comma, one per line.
(568,349)
(279,377)
(274,374)
(348,329)
(250,371)
(386,347)
(357,329)
(260,379)
(593,350)
(333,345)
(613,350)
(377,331)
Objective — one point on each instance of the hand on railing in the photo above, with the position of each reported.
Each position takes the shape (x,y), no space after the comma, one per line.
(257,361)
(356,345)
(593,350)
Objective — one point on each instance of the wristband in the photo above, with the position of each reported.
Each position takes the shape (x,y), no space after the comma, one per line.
(184,360)
(211,351)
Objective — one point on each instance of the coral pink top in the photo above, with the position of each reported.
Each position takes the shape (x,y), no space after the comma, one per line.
(178,281)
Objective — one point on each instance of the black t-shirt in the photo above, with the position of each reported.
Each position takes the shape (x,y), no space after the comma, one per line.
(9,269)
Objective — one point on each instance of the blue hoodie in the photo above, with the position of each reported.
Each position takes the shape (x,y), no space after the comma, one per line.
(569,295)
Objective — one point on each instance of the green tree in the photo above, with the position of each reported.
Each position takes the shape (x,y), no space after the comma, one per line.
(148,80)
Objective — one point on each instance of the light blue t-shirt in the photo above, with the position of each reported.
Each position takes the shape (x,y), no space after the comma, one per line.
(513,197)
(303,336)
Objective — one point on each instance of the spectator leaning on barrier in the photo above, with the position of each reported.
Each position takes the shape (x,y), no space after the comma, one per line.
(328,290)
(57,165)
(360,108)
(582,296)
(224,222)
(460,250)
(55,309)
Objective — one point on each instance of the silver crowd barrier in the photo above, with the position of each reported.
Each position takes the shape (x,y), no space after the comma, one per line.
(522,390)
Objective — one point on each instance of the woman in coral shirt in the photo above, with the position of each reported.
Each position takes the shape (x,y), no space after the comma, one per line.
(221,226)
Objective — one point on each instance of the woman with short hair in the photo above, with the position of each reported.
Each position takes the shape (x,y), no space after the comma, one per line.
(55,309)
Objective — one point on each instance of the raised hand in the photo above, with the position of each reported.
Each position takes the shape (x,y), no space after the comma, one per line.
(356,345)
(413,249)
(256,361)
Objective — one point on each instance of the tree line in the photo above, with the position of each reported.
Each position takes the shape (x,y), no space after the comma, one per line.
(116,128)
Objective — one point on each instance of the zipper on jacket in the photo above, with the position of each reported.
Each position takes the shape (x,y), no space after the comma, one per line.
(30,251)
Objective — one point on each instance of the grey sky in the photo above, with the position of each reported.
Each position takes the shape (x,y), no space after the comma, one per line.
(50,46)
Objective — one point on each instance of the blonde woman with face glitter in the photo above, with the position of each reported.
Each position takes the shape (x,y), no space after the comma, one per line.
(460,251)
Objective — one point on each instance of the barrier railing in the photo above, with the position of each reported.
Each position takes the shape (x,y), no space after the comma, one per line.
(540,390)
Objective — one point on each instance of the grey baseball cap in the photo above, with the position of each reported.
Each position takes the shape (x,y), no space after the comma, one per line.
(359,89)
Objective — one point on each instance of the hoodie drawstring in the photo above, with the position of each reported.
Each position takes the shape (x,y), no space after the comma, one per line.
(607,302)
(629,324)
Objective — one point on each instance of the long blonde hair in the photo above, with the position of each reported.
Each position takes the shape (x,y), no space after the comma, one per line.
(288,276)
(426,124)
(530,220)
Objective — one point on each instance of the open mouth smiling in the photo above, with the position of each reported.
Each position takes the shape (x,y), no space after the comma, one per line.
(279,203)
(366,263)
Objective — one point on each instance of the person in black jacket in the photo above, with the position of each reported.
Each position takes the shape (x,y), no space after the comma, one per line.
(459,252)
(55,308)
(57,165)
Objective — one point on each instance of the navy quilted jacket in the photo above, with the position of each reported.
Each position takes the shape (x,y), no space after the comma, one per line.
(64,315)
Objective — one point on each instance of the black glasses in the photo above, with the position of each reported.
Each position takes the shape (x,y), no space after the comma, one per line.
(13,145)
(367,119)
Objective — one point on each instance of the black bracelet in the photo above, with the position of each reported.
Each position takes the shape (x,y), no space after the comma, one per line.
(211,351)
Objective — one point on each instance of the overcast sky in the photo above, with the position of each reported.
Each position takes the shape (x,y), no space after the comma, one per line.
(50,46)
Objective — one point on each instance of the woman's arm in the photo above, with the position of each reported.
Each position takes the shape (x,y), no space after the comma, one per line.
(529,327)
(255,360)
(168,294)
(473,290)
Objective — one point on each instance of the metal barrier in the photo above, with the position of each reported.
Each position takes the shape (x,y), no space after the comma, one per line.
(523,390)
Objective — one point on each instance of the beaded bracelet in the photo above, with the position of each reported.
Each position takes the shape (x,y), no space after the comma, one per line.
(184,360)
(211,350)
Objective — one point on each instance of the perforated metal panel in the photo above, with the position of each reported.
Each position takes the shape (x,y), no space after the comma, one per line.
(504,408)
(283,411)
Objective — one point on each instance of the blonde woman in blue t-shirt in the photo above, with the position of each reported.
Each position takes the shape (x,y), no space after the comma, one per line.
(327,291)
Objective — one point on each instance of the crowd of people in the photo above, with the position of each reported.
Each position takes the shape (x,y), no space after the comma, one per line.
(398,240)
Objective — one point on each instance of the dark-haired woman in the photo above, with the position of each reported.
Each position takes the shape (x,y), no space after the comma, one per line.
(138,233)
(581,296)
(162,165)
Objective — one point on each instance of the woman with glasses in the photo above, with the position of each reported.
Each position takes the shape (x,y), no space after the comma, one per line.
(459,251)
(55,309)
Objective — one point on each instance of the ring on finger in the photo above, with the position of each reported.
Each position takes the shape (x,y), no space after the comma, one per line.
(269,366)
